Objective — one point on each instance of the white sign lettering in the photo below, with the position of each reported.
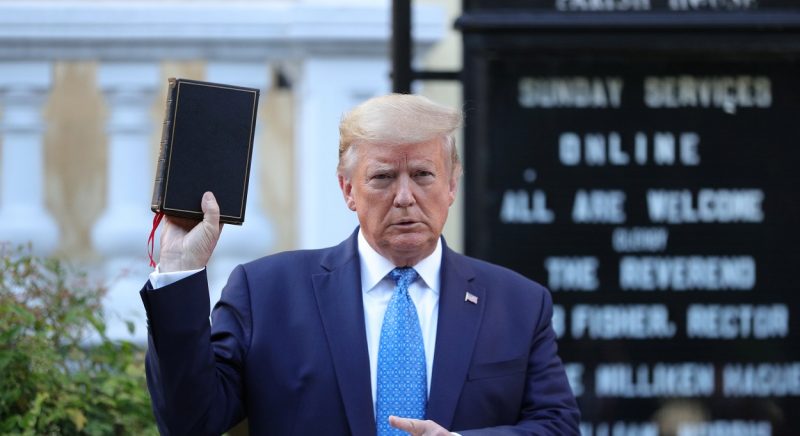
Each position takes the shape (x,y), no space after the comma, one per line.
(634,321)
(575,377)
(558,320)
(688,379)
(727,93)
(686,273)
(619,428)
(714,5)
(708,206)
(570,92)
(599,207)
(602,5)
(572,273)
(639,239)
(761,380)
(523,207)
(599,149)
(725,428)
(716,321)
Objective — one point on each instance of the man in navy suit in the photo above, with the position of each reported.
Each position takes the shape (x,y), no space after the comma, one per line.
(294,343)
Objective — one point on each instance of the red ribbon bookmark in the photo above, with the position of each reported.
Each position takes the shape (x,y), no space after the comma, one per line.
(152,239)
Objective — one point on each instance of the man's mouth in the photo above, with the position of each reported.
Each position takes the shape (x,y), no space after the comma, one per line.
(405,223)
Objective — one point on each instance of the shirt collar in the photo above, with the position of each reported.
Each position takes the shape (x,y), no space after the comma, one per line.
(375,267)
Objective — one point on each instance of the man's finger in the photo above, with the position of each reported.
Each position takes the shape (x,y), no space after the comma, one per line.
(418,427)
(210,209)
(406,424)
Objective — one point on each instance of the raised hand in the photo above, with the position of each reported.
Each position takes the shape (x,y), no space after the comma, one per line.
(187,244)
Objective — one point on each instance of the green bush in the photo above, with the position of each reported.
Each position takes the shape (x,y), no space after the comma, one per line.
(59,373)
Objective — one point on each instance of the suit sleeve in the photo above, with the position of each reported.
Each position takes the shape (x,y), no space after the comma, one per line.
(548,406)
(194,371)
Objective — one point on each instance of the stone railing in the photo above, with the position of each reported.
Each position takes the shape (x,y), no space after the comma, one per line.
(334,56)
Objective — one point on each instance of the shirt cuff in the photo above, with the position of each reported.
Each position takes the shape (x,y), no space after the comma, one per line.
(159,279)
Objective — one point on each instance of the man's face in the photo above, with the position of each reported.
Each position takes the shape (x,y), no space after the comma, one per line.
(401,194)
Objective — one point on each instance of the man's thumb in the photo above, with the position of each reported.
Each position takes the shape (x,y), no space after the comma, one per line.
(210,209)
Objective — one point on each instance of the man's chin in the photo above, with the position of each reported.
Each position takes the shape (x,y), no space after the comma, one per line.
(412,244)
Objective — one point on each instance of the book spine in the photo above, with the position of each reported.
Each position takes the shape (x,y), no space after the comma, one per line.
(166,132)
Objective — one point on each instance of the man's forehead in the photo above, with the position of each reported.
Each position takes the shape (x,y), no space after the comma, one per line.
(402,152)
(397,159)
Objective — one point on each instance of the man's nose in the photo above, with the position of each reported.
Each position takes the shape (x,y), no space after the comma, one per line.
(404,196)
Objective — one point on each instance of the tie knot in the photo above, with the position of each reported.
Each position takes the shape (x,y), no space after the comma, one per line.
(404,276)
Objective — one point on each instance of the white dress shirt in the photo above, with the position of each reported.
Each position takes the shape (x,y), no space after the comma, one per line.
(377,289)
(159,279)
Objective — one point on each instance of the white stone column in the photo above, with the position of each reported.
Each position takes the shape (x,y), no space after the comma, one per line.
(254,238)
(129,90)
(326,88)
(24,87)
(120,235)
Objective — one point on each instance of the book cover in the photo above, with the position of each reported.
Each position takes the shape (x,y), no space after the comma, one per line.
(206,145)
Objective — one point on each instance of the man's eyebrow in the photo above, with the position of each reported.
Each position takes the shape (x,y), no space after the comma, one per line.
(423,163)
(380,166)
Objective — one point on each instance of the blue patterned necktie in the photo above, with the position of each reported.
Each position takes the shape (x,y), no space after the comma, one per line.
(402,377)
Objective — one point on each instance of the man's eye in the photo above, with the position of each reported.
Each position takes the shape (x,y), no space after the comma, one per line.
(424,174)
(381,180)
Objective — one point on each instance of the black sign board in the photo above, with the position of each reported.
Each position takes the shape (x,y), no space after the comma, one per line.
(593,6)
(650,180)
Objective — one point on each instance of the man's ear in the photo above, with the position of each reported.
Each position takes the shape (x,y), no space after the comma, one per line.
(453,188)
(347,192)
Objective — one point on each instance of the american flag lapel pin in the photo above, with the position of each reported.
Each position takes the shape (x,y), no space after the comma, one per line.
(471,298)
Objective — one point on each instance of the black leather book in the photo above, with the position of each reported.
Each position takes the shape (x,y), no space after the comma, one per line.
(206,145)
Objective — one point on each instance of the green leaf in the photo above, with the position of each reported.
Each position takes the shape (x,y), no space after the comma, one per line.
(51,381)
(131,327)
(78,418)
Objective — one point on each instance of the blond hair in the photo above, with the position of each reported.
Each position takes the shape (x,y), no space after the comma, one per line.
(397,119)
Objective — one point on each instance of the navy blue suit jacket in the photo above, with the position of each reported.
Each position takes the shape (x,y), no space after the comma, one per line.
(287,349)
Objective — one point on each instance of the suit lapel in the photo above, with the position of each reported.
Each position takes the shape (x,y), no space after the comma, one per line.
(457,331)
(338,294)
